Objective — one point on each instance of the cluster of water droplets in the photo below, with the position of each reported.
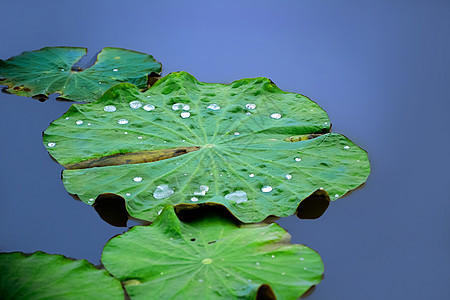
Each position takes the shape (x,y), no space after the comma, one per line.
(184,108)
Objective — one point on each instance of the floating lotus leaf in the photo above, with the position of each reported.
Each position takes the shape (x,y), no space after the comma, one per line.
(50,70)
(211,257)
(45,276)
(248,145)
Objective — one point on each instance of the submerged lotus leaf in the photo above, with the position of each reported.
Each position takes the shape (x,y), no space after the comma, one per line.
(44,276)
(211,257)
(50,70)
(248,145)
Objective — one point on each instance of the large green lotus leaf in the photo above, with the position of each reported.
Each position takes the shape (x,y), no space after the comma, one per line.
(235,155)
(45,276)
(211,257)
(50,70)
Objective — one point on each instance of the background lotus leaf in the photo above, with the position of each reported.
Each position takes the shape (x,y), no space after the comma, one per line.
(45,276)
(211,257)
(228,144)
(50,70)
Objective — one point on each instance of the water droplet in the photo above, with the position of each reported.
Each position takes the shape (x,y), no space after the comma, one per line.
(126,132)
(275,116)
(51,144)
(127,194)
(159,212)
(122,121)
(257,263)
(337,195)
(162,273)
(99,82)
(250,106)
(185,114)
(194,199)
(139,137)
(115,70)
(202,191)
(178,106)
(213,106)
(62,70)
(89,124)
(249,280)
(273,256)
(162,191)
(67,118)
(236,133)
(346,147)
(79,122)
(91,200)
(297,159)
(171,239)
(109,108)
(137,179)
(207,261)
(326,123)
(135,104)
(148,107)
(248,113)
(238,196)
(266,189)
(301,258)
(305,269)
(251,175)
(200,280)
(228,275)
(288,176)
(283,273)
(311,109)
(148,96)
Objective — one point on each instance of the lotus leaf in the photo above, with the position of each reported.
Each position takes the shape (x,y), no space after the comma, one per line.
(249,146)
(44,276)
(210,257)
(50,70)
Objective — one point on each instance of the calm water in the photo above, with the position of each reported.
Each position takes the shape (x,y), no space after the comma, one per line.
(380,70)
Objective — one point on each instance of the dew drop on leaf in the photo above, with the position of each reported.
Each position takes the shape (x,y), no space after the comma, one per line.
(149,107)
(213,106)
(162,191)
(137,179)
(109,108)
(135,104)
(266,189)
(185,115)
(238,196)
(275,116)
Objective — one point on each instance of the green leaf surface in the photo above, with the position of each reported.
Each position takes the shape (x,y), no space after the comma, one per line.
(50,70)
(211,257)
(235,155)
(45,276)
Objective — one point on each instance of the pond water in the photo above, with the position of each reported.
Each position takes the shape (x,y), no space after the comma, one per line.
(380,70)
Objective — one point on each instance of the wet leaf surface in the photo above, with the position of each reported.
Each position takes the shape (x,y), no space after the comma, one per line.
(248,145)
(50,70)
(210,257)
(45,276)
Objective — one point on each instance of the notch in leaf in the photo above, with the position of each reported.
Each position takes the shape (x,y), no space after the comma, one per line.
(249,146)
(171,259)
(50,70)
